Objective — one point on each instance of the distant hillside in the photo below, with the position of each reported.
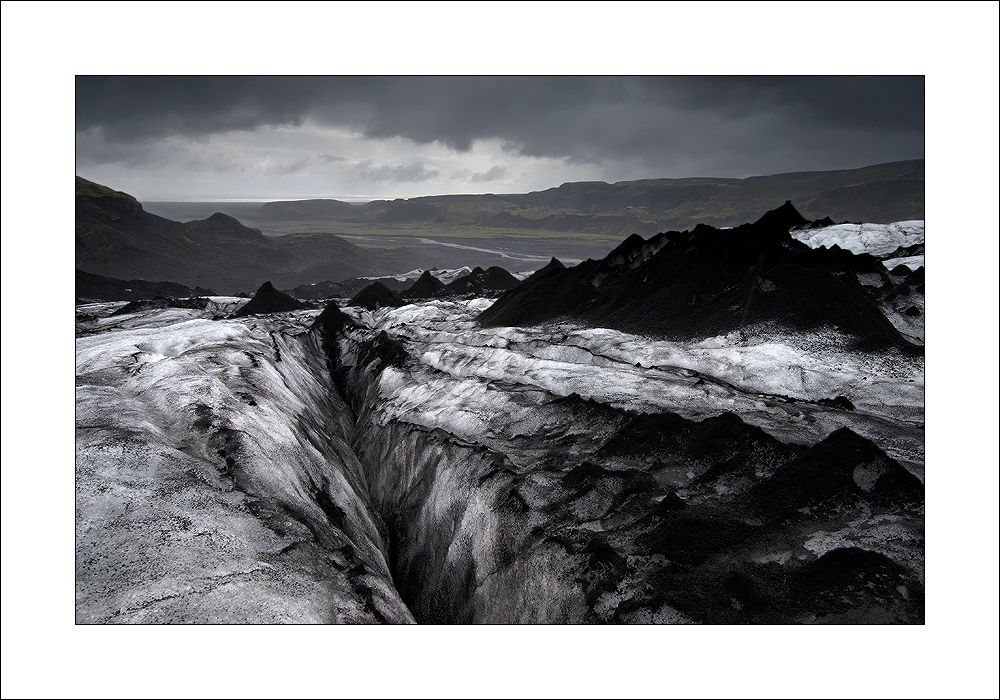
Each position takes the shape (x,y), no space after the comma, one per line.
(876,194)
(116,237)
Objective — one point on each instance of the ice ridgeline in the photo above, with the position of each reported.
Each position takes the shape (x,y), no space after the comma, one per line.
(421,468)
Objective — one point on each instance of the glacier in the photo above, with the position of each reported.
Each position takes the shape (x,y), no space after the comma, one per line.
(410,465)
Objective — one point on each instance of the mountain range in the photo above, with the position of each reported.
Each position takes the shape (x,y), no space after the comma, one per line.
(116,237)
(879,193)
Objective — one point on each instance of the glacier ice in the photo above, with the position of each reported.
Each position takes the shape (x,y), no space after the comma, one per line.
(229,471)
(874,239)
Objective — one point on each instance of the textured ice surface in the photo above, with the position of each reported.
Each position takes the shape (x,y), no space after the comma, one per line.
(911,261)
(511,496)
(472,381)
(214,478)
(221,477)
(876,239)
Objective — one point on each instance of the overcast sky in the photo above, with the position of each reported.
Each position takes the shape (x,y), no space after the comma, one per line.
(359,138)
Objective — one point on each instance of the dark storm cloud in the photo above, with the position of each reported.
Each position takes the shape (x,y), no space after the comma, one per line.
(136,107)
(451,110)
(762,122)
(865,102)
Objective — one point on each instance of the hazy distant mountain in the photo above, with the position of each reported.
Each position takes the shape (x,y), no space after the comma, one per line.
(306,210)
(116,237)
(875,194)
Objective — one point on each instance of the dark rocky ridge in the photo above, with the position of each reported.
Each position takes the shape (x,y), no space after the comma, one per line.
(269,300)
(386,290)
(843,469)
(162,303)
(427,286)
(375,296)
(100,288)
(707,282)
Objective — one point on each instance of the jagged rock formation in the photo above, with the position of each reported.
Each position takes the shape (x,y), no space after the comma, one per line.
(478,282)
(269,300)
(482,282)
(821,223)
(376,296)
(496,280)
(710,282)
(426,287)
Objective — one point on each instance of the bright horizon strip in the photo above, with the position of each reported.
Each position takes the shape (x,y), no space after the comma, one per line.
(283,198)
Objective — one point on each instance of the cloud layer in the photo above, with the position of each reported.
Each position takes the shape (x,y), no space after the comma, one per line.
(402,136)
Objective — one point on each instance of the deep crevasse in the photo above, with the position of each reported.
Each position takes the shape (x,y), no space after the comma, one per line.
(488,498)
